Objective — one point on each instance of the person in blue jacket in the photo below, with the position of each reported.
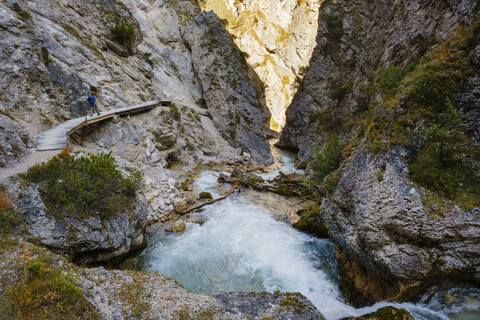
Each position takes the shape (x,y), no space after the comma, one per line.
(92,100)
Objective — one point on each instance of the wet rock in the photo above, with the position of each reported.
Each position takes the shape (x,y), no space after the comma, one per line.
(311,221)
(178,226)
(179,205)
(196,219)
(265,305)
(385,313)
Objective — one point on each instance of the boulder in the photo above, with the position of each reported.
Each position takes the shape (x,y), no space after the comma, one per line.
(178,226)
(179,205)
(385,313)
(205,195)
(86,239)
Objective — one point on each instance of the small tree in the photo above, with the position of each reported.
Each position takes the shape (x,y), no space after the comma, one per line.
(123,33)
(327,161)
(445,134)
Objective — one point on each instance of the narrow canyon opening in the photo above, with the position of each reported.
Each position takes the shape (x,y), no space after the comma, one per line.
(277,39)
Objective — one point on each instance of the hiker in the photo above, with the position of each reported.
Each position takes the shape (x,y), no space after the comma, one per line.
(92,100)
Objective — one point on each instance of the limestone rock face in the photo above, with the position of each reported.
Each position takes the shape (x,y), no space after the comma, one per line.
(88,239)
(14,141)
(384,227)
(279,38)
(228,92)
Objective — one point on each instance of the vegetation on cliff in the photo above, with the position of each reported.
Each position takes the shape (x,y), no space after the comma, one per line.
(86,185)
(416,105)
(9,218)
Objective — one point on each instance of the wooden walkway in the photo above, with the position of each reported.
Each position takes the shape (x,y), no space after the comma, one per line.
(57,138)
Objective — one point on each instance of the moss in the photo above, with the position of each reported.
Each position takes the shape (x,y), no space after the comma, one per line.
(312,221)
(284,190)
(293,302)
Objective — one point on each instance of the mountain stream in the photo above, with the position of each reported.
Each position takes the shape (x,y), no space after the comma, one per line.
(245,245)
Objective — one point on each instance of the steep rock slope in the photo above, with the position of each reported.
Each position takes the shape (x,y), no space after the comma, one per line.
(383,79)
(228,92)
(54,52)
(278,37)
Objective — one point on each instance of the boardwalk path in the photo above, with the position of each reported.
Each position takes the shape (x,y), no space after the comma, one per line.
(57,138)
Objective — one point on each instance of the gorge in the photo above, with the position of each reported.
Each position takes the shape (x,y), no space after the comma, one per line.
(379,100)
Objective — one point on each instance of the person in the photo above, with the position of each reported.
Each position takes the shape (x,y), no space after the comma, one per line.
(92,100)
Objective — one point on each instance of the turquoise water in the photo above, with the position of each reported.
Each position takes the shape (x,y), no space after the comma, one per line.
(243,247)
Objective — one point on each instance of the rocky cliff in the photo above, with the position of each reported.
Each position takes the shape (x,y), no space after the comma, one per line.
(53,53)
(278,38)
(384,79)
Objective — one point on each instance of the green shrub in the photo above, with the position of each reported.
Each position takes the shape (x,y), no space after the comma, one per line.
(442,150)
(123,33)
(174,110)
(428,170)
(389,79)
(431,89)
(339,92)
(327,161)
(378,145)
(10,219)
(89,184)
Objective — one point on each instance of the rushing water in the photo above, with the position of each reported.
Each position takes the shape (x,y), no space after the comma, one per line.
(243,247)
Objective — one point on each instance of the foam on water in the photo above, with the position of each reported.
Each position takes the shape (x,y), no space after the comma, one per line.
(243,248)
(208,182)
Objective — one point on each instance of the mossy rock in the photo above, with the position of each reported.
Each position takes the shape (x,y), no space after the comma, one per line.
(284,190)
(312,222)
(386,313)
(205,195)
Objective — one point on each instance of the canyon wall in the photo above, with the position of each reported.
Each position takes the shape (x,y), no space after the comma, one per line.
(383,77)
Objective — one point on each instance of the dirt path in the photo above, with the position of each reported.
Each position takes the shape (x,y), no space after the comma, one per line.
(34,158)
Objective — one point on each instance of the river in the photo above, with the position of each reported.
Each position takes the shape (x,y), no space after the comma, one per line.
(245,246)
